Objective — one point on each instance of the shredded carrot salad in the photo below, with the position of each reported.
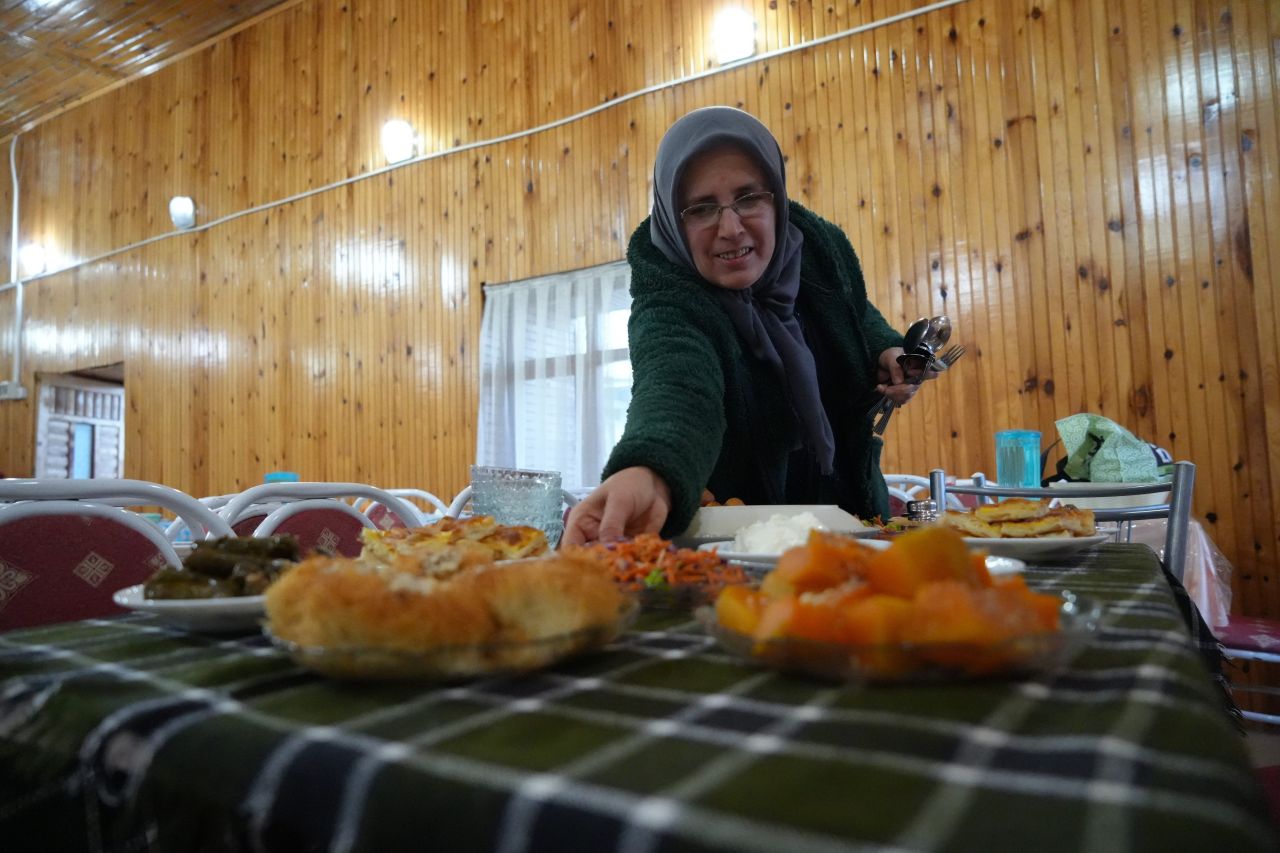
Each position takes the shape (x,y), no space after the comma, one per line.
(649,562)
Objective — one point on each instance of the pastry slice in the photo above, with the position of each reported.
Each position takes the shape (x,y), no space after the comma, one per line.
(969,524)
(1079,521)
(1049,525)
(1013,509)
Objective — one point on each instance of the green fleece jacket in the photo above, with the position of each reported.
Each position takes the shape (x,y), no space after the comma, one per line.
(706,414)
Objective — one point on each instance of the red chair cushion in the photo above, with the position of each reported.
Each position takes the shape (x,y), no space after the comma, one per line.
(247,524)
(324,529)
(1257,635)
(383,518)
(58,568)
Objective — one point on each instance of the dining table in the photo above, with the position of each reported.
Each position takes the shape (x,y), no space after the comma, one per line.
(128,733)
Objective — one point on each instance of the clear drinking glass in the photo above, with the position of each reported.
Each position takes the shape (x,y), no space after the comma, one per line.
(1018,458)
(513,496)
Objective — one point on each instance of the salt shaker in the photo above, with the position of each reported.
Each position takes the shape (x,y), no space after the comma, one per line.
(922,511)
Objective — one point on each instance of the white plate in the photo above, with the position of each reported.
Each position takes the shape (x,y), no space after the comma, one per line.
(723,522)
(1068,495)
(1030,549)
(996,565)
(203,614)
(724,548)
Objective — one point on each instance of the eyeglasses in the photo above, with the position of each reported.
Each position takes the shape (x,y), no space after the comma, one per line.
(708,213)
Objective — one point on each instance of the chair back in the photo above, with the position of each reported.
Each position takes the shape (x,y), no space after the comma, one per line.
(898,500)
(319,524)
(248,523)
(1176,512)
(200,519)
(384,519)
(63,560)
(905,488)
(281,493)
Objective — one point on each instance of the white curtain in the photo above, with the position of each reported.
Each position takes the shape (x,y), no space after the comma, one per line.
(555,376)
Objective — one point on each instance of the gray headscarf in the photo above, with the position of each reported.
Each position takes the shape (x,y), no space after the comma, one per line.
(763,314)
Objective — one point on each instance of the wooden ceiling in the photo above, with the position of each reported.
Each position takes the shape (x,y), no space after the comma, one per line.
(56,52)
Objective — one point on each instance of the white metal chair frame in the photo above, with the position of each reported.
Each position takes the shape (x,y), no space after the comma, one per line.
(367,504)
(275,493)
(1237,653)
(106,492)
(913,487)
(459,503)
(131,520)
(286,511)
(1177,511)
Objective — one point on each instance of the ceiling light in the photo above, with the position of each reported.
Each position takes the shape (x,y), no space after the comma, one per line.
(399,142)
(182,210)
(733,35)
(32,258)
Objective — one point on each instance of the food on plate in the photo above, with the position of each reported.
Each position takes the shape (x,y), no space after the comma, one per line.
(900,524)
(501,541)
(649,562)
(925,601)
(441,610)
(776,534)
(1019,518)
(1012,509)
(230,567)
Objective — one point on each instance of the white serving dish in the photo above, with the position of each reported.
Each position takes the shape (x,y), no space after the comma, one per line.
(214,615)
(1042,547)
(1117,502)
(717,523)
(996,565)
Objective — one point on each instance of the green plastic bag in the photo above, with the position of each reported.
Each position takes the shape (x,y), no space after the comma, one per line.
(1101,451)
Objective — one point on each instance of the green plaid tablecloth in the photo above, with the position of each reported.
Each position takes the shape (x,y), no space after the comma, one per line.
(123,734)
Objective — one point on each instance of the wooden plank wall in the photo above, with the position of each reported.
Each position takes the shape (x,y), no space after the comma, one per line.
(1088,187)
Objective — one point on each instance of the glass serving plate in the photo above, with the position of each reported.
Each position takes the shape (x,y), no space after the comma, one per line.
(452,662)
(914,662)
(683,598)
(209,615)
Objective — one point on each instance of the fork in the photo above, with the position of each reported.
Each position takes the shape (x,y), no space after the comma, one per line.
(939,363)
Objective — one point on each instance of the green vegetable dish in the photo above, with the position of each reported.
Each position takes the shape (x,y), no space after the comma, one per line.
(225,568)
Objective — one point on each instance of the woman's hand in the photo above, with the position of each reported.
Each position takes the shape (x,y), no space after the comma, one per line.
(893,380)
(632,501)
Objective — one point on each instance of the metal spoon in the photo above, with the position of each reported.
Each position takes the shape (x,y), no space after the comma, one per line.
(910,341)
(916,333)
(938,334)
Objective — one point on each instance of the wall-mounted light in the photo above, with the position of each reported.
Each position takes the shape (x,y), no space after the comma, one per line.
(733,35)
(399,142)
(32,258)
(182,210)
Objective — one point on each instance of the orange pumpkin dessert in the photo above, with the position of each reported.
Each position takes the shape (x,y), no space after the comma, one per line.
(924,602)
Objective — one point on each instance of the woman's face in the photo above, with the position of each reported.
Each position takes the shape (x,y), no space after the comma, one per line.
(732,251)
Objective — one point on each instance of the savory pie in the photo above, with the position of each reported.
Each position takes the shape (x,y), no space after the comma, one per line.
(1013,509)
(500,541)
(1019,518)
(413,600)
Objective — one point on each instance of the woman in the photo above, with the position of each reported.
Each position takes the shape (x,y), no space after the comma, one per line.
(754,350)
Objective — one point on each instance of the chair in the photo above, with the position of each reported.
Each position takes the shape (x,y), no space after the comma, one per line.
(905,488)
(1177,512)
(1249,639)
(65,548)
(385,519)
(319,524)
(324,521)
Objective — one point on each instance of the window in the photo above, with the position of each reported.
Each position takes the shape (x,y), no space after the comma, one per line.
(555,373)
(79,427)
